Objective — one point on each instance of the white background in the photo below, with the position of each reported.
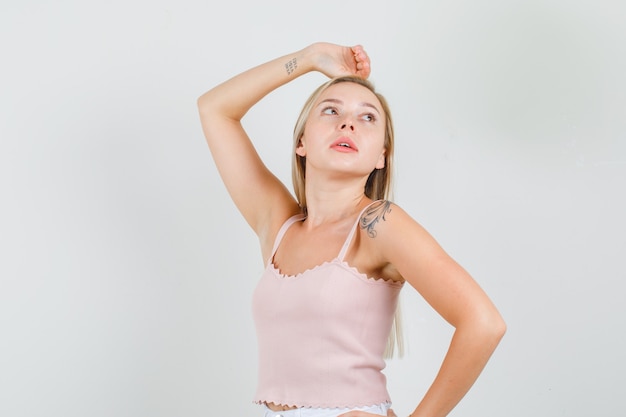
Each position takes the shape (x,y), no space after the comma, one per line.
(126,272)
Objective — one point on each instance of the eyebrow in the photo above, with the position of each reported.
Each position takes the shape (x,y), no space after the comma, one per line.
(337,101)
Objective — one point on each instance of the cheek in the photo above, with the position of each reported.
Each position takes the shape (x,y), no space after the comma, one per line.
(379,140)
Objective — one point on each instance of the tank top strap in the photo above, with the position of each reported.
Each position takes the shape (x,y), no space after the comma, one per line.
(346,244)
(282,231)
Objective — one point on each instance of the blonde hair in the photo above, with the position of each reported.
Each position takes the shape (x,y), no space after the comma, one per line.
(377,187)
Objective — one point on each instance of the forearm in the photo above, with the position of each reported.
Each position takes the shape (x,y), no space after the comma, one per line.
(234,97)
(469,351)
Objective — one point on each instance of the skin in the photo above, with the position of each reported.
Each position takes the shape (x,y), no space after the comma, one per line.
(391,245)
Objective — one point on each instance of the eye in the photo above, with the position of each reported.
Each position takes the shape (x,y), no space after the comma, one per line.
(329,110)
(369,117)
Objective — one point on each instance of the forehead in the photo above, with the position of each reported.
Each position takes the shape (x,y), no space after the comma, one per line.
(349,91)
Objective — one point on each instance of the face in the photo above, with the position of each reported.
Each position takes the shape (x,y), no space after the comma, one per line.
(345,131)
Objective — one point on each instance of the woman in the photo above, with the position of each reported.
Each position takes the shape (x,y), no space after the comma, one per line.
(338,254)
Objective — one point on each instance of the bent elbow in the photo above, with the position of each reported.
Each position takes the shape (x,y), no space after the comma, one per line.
(488,325)
(500,327)
(202,102)
(495,326)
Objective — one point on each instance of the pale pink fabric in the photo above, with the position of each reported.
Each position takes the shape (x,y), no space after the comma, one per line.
(322,333)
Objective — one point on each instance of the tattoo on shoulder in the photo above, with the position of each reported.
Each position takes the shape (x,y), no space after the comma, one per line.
(373,215)
(291,66)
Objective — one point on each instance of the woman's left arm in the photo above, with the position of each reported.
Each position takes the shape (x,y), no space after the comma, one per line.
(454,294)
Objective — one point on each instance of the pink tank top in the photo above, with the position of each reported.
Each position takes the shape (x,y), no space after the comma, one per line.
(322,333)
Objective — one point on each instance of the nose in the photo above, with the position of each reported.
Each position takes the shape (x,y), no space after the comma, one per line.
(348,125)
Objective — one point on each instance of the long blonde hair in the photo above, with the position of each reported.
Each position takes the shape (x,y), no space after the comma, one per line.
(377,187)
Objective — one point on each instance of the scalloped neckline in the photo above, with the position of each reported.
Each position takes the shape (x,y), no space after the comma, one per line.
(335,261)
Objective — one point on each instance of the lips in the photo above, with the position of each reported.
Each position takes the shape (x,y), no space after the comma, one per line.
(344,144)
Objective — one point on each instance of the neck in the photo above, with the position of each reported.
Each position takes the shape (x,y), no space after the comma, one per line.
(334,201)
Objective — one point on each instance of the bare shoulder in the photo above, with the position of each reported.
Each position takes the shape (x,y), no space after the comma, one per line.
(390,237)
(386,218)
(373,215)
(395,235)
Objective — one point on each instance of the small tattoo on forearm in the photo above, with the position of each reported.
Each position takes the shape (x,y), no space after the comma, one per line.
(373,215)
(291,66)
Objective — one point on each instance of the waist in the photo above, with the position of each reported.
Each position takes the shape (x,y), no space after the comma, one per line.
(352,386)
(288,411)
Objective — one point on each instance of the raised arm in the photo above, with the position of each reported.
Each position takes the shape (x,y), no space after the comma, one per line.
(258,194)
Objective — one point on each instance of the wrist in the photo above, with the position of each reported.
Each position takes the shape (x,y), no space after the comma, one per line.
(308,57)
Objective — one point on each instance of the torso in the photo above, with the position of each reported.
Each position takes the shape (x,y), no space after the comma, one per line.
(301,248)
